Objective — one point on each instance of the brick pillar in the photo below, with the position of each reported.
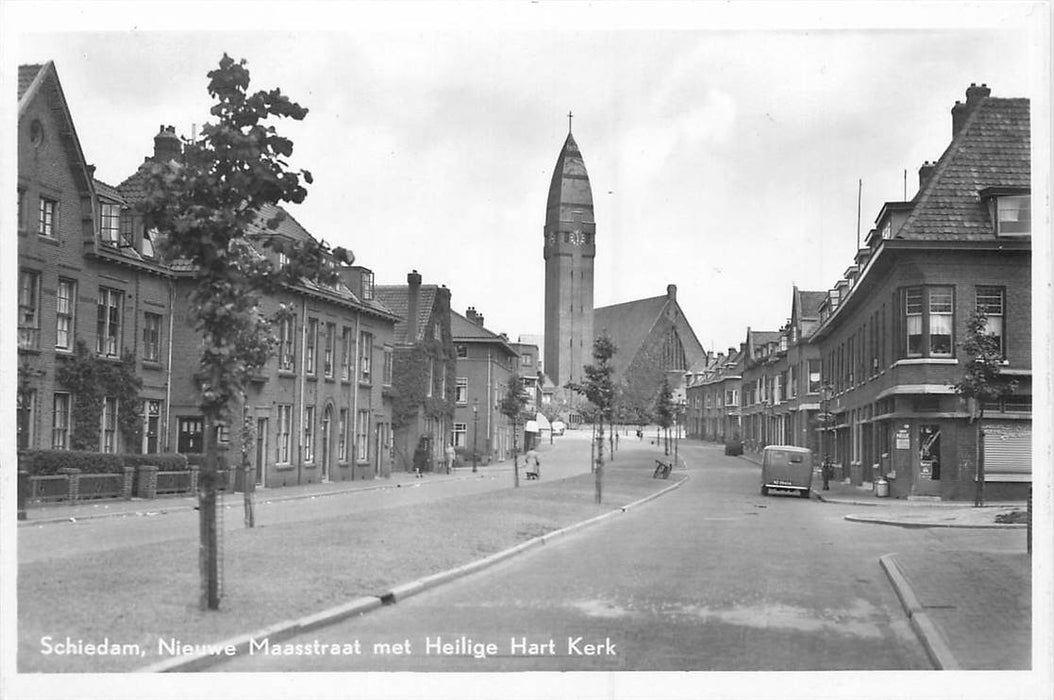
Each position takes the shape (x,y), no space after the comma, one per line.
(194,469)
(147,481)
(73,478)
(129,480)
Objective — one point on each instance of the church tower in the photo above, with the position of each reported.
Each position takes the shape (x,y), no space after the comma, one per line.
(569,249)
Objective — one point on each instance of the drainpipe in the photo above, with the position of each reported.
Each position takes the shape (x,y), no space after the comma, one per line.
(353,420)
(303,382)
(490,404)
(168,373)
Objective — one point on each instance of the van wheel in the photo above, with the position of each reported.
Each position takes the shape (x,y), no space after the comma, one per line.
(805,493)
(764,490)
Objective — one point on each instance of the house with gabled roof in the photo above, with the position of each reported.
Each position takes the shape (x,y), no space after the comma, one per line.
(81,287)
(424,372)
(654,341)
(890,336)
(485,363)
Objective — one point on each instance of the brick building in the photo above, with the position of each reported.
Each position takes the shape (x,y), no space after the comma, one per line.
(890,332)
(485,362)
(83,278)
(89,272)
(425,371)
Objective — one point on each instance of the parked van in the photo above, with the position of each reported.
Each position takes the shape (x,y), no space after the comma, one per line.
(787,467)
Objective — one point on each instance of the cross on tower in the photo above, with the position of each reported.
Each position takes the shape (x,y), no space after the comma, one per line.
(569,116)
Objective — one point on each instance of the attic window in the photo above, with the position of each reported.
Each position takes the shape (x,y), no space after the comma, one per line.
(367,285)
(36,133)
(1013,215)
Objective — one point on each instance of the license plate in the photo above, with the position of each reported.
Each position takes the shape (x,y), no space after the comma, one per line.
(781,482)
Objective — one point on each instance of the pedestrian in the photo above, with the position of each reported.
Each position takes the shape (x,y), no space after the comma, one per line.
(533,465)
(451,454)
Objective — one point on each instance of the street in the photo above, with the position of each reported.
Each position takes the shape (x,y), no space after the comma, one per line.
(712,576)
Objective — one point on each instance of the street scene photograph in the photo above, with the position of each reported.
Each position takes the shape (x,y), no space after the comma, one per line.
(526,350)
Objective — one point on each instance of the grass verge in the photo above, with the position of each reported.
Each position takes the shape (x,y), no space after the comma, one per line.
(141,595)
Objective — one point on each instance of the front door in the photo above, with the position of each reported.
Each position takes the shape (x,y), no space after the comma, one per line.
(327,420)
(189,438)
(261,450)
(928,463)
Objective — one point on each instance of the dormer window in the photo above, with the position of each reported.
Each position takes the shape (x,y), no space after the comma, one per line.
(367,285)
(1013,215)
(110,223)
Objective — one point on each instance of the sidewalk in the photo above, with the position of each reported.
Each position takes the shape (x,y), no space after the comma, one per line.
(41,514)
(970,610)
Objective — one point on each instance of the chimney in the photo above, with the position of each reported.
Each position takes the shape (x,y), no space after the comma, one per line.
(671,292)
(166,145)
(472,315)
(413,305)
(974,96)
(925,172)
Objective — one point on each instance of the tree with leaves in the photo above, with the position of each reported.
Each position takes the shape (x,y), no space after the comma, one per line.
(982,383)
(599,389)
(203,203)
(664,411)
(512,405)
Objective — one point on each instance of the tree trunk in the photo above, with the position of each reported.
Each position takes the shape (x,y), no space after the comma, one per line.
(515,460)
(208,553)
(600,461)
(248,472)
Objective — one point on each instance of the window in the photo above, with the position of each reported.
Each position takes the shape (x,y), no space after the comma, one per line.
(527,360)
(342,436)
(21,208)
(65,304)
(367,285)
(152,337)
(461,350)
(814,376)
(284,428)
(346,355)
(108,323)
(437,331)
(109,425)
(459,434)
(327,356)
(461,391)
(312,341)
(151,426)
(309,436)
(26,400)
(110,223)
(60,422)
(28,311)
(362,431)
(286,343)
(365,356)
(146,245)
(431,377)
(389,364)
(913,318)
(46,219)
(1013,215)
(990,303)
(941,315)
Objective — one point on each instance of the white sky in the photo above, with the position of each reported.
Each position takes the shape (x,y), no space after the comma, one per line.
(724,155)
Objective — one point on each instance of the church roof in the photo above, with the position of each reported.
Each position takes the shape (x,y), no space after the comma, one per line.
(569,189)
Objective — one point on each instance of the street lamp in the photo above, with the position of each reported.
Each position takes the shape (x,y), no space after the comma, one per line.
(475,430)
(825,418)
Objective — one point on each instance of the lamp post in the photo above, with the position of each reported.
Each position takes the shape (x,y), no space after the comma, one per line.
(825,418)
(475,430)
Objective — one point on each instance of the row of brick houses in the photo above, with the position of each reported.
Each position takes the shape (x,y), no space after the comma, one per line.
(364,379)
(864,372)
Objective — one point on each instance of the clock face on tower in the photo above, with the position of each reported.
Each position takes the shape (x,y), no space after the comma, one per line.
(576,237)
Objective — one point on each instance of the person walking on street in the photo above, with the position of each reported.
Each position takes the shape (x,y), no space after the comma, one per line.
(450,456)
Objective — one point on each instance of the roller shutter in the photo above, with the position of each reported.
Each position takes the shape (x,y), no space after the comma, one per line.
(1007,456)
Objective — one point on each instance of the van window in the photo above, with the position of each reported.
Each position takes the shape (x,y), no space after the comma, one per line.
(794,458)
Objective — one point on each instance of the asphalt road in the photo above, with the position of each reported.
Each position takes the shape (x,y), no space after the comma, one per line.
(711,577)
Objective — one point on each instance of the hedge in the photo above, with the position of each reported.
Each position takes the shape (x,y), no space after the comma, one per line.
(49,462)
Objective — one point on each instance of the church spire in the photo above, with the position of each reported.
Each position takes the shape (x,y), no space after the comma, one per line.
(569,117)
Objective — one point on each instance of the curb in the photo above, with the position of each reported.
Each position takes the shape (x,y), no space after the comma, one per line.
(927,632)
(916,524)
(290,628)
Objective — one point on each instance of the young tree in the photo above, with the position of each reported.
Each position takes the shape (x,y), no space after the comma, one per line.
(202,203)
(664,412)
(512,404)
(982,383)
(599,389)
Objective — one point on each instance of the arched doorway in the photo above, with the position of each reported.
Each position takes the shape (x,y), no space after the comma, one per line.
(327,420)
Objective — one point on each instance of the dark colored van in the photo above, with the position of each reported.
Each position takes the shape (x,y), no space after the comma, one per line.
(787,468)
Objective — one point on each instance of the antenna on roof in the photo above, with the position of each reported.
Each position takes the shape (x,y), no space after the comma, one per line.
(905,184)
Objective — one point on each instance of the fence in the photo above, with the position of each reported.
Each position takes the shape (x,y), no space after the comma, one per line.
(71,485)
